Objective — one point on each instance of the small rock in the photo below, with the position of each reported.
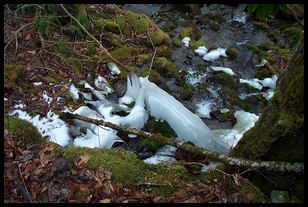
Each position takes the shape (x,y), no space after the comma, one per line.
(119,88)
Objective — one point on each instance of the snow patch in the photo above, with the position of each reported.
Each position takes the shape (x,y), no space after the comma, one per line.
(215,54)
(185,41)
(114,69)
(164,154)
(254,83)
(47,98)
(223,69)
(261,64)
(37,83)
(74,92)
(19,106)
(240,17)
(202,50)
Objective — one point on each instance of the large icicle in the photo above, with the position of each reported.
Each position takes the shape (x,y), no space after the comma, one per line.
(187,125)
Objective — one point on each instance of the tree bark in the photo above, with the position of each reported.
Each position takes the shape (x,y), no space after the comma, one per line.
(260,165)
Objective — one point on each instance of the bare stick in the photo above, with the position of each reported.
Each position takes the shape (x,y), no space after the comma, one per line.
(16,37)
(101,46)
(275,166)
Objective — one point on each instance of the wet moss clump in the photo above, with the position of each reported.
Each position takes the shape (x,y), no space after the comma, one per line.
(224,79)
(262,25)
(256,50)
(164,51)
(23,130)
(196,44)
(177,42)
(124,52)
(13,75)
(191,32)
(165,67)
(188,91)
(114,160)
(148,144)
(264,72)
(223,117)
(153,75)
(202,86)
(107,25)
(159,127)
(142,59)
(232,52)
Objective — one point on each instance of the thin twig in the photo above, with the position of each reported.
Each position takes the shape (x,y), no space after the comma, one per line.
(43,68)
(25,186)
(90,35)
(16,37)
(155,49)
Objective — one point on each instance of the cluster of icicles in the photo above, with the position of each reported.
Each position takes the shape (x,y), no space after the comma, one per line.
(148,98)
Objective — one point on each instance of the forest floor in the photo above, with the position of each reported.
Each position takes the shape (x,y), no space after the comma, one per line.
(39,172)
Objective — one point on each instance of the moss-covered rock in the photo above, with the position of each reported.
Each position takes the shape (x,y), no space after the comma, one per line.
(142,59)
(202,86)
(264,72)
(107,25)
(159,37)
(164,51)
(196,44)
(153,75)
(188,91)
(152,145)
(177,42)
(224,79)
(13,75)
(256,50)
(223,117)
(165,67)
(191,32)
(23,130)
(232,52)
(159,127)
(124,52)
(114,160)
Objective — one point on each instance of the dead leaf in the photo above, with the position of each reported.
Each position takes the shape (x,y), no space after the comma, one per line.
(28,37)
(32,52)
(83,160)
(106,200)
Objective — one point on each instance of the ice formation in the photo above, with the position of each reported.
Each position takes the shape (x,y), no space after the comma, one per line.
(186,41)
(114,69)
(245,121)
(187,125)
(202,50)
(215,54)
(223,69)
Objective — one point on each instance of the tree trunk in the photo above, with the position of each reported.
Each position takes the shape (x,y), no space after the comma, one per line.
(279,133)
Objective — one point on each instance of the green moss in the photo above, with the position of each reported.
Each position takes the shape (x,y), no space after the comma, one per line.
(149,144)
(223,117)
(262,25)
(164,51)
(187,92)
(113,39)
(232,52)
(202,86)
(184,71)
(190,31)
(263,72)
(177,42)
(201,67)
(159,37)
(138,22)
(165,67)
(196,44)
(124,52)
(23,130)
(256,50)
(142,59)
(125,166)
(108,25)
(124,26)
(13,76)
(255,191)
(62,46)
(159,127)
(248,87)
(153,75)
(224,79)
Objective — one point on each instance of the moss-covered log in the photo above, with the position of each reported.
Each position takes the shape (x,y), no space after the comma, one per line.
(260,165)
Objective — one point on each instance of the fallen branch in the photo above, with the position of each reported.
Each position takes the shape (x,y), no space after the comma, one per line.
(90,35)
(275,166)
